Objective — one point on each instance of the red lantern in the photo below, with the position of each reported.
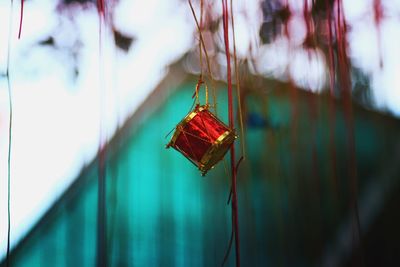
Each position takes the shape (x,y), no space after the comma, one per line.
(202,138)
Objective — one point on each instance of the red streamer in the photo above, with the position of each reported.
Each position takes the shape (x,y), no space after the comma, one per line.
(235,218)
(378,16)
(21,19)
(345,83)
(101,7)
(332,107)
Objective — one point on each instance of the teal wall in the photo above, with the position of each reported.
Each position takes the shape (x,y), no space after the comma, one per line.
(161,212)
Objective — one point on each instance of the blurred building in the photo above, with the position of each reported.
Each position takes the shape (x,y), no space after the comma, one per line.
(296,189)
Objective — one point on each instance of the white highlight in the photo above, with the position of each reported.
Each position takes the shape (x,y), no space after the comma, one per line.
(56,120)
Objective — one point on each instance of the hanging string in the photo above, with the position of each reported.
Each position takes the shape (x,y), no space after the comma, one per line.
(203,48)
(378,16)
(237,78)
(238,93)
(101,198)
(332,108)
(235,219)
(101,9)
(345,82)
(330,50)
(228,250)
(200,27)
(21,18)
(10,104)
(196,92)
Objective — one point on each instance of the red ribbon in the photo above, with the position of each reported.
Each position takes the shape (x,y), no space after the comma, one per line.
(235,218)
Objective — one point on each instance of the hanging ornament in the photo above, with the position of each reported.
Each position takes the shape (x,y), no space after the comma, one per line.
(202,137)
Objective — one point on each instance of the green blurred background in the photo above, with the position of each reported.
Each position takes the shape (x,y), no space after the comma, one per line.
(293,191)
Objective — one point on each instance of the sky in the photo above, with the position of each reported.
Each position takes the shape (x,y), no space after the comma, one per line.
(56,121)
(57,115)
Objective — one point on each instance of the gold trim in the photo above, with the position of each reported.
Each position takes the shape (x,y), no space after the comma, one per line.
(221,137)
(180,126)
(206,157)
(210,158)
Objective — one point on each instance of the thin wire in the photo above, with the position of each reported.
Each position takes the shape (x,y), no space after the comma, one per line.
(101,9)
(207,57)
(9,165)
(200,34)
(352,164)
(101,256)
(225,19)
(200,50)
(229,248)
(190,146)
(242,139)
(9,137)
(21,19)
